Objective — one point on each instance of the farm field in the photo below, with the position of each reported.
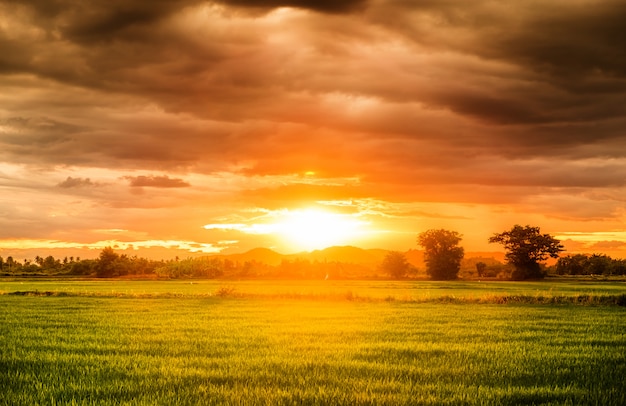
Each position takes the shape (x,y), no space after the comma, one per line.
(314,289)
(344,343)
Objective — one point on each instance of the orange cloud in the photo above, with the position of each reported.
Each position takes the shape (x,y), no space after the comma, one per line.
(420,113)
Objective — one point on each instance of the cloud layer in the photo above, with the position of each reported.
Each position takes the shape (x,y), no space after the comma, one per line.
(197,110)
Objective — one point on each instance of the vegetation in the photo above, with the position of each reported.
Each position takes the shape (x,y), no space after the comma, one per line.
(108,264)
(596,264)
(442,253)
(232,338)
(526,247)
(410,291)
(442,258)
(225,268)
(395,265)
(205,344)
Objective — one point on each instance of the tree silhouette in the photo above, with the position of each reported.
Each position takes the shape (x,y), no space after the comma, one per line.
(526,246)
(442,253)
(395,264)
(481,268)
(10,262)
(105,265)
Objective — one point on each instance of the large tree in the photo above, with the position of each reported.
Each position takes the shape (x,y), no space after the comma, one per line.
(442,253)
(526,247)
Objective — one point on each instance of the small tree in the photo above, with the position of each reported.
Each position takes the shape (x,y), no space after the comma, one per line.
(481,269)
(442,253)
(395,265)
(10,262)
(526,246)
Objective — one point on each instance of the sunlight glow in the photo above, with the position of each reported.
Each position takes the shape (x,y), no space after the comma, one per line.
(593,236)
(312,229)
(304,229)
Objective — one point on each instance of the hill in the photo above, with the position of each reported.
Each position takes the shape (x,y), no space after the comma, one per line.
(262,255)
(370,258)
(345,254)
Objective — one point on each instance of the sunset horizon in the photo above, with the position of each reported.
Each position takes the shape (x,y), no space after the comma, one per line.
(175,129)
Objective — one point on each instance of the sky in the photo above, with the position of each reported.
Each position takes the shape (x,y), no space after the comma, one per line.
(184,127)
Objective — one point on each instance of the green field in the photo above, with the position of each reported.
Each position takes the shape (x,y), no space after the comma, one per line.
(417,291)
(263,342)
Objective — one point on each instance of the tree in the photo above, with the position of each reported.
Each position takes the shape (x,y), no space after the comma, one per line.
(50,263)
(526,247)
(599,264)
(105,265)
(442,253)
(583,264)
(84,267)
(10,262)
(572,265)
(395,264)
(481,268)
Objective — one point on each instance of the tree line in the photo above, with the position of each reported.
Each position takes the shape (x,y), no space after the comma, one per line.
(111,264)
(595,264)
(526,247)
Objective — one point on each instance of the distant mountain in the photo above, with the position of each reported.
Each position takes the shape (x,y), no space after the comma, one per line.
(344,254)
(415,258)
(496,256)
(263,255)
(347,254)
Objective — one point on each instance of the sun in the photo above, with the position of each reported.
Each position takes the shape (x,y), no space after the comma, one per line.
(311,229)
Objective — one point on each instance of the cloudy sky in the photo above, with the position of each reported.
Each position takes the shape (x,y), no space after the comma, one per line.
(197,126)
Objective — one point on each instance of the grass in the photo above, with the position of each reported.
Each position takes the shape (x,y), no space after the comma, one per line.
(588,293)
(421,291)
(138,346)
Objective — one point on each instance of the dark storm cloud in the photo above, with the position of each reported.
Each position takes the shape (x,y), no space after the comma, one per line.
(45,130)
(156,181)
(559,37)
(100,19)
(571,58)
(498,109)
(572,40)
(32,138)
(519,106)
(276,94)
(577,51)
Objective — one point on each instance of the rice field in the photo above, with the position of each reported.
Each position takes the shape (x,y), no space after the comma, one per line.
(417,291)
(285,343)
